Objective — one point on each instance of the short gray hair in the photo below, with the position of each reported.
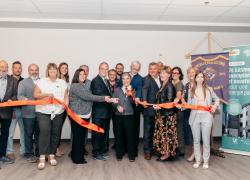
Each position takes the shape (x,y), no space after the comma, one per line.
(135,63)
(126,74)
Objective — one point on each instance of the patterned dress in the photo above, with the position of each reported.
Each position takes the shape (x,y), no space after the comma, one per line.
(165,134)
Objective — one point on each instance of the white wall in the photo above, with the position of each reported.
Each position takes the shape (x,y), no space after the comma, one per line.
(93,46)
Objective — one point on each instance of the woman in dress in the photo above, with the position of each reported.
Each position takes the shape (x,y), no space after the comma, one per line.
(165,134)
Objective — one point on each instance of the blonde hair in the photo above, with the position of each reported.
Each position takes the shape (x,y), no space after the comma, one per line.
(49,66)
(166,69)
(192,68)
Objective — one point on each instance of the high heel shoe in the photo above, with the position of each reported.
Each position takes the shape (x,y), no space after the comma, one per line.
(191,158)
(163,158)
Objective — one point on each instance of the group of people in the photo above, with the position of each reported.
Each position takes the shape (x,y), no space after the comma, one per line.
(112,95)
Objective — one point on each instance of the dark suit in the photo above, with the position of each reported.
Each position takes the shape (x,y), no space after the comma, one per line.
(137,83)
(149,91)
(101,114)
(6,113)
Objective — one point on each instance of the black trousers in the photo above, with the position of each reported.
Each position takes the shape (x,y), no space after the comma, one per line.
(5,126)
(65,116)
(78,142)
(30,130)
(137,115)
(49,132)
(114,125)
(148,127)
(180,132)
(125,136)
(100,140)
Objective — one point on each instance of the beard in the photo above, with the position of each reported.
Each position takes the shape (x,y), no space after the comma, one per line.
(3,74)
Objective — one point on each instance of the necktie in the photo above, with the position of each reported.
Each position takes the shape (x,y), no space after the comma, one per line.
(107,84)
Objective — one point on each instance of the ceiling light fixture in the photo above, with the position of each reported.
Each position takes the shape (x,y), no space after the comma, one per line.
(206,2)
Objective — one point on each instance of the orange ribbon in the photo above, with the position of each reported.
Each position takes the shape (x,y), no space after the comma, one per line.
(171,104)
(55,101)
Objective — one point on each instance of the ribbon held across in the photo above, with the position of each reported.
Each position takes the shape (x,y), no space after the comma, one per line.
(55,101)
(171,104)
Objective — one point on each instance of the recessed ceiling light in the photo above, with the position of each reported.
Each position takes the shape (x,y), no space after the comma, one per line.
(206,2)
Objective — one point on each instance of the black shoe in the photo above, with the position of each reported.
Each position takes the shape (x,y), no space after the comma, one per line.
(162,160)
(113,147)
(131,159)
(83,162)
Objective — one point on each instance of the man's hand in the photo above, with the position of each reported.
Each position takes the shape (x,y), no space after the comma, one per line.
(120,109)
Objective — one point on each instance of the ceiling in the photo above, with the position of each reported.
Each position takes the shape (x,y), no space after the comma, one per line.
(220,15)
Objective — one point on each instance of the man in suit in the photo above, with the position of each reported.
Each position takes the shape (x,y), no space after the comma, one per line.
(8,92)
(101,113)
(151,85)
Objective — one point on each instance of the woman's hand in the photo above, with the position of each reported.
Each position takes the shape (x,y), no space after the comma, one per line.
(183,100)
(156,107)
(176,100)
(213,108)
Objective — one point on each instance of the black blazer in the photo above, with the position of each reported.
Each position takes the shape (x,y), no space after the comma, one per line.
(10,94)
(166,94)
(100,109)
(149,91)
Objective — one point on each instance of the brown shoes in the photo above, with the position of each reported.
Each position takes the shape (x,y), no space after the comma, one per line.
(147,156)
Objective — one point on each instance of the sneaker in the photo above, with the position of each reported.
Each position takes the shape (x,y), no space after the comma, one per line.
(105,155)
(6,160)
(205,165)
(196,165)
(99,157)
(11,156)
(32,159)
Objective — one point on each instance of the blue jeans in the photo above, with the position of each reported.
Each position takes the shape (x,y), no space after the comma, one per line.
(18,120)
(30,130)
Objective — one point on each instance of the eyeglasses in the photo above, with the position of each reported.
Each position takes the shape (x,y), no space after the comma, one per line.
(175,73)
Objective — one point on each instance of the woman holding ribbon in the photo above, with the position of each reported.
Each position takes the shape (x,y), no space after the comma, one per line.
(201,121)
(50,117)
(125,122)
(165,134)
(80,101)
